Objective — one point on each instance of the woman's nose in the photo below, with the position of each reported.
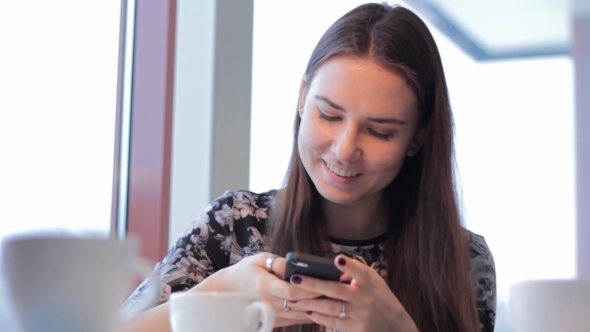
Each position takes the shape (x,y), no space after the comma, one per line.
(346,145)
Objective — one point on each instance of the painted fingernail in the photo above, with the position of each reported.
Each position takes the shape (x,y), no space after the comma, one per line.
(308,313)
(341,261)
(296,280)
(294,301)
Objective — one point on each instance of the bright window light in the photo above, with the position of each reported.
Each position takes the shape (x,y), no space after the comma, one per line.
(58,88)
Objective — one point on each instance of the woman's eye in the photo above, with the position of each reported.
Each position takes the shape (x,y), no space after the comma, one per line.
(379,135)
(327,118)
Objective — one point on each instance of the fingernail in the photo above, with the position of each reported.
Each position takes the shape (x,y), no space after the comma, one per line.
(341,261)
(308,313)
(296,280)
(294,301)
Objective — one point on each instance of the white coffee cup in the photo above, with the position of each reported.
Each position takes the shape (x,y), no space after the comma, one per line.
(219,311)
(550,305)
(68,283)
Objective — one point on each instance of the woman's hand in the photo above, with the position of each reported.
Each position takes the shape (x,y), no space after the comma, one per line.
(368,303)
(250,275)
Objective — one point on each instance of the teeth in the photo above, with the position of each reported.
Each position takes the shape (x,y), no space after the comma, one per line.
(340,172)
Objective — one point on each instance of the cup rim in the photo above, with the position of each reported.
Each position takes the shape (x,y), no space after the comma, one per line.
(564,281)
(49,238)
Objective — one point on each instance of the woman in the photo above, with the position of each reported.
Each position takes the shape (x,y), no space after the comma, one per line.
(370,183)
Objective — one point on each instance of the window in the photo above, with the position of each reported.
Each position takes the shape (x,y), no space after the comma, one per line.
(58,88)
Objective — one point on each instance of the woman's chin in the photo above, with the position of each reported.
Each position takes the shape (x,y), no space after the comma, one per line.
(339,198)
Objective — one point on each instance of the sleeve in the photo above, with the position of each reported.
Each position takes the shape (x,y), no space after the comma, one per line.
(198,253)
(483,271)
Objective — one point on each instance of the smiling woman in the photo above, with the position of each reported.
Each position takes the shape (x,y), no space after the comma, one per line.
(514,138)
(370,185)
(415,208)
(357,117)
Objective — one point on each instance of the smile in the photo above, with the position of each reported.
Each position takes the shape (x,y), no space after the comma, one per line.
(339,171)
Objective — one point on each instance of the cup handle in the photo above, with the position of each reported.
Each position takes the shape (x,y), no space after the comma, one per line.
(268,315)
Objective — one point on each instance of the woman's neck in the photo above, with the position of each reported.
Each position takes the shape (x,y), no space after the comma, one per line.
(362,220)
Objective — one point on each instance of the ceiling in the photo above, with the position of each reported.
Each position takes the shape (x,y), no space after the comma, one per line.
(502,29)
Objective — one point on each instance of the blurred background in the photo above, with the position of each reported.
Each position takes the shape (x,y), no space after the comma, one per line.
(128,117)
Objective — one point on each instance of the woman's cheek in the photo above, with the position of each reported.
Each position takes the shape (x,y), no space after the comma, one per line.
(313,135)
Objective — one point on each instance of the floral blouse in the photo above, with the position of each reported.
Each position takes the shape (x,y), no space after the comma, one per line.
(232,227)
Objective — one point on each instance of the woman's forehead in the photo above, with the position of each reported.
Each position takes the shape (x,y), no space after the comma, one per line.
(362,83)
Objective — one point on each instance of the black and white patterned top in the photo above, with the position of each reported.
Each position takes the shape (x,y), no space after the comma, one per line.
(232,227)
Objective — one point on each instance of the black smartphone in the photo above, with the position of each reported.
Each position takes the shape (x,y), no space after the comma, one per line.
(312,266)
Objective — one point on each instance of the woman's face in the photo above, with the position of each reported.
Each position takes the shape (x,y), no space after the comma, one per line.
(358,122)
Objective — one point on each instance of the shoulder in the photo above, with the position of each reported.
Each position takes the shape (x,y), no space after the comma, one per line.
(482,261)
(243,216)
(483,272)
(242,204)
(477,244)
(242,198)
(481,256)
(220,216)
(227,223)
(235,205)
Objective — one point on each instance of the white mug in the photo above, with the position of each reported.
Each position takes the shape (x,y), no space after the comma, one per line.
(219,311)
(550,305)
(68,283)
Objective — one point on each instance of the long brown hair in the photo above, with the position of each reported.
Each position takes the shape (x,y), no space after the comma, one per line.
(426,252)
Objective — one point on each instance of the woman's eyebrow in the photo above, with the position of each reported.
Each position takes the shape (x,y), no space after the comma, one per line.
(390,120)
(340,108)
(329,102)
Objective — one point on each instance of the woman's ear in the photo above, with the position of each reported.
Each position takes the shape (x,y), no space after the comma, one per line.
(417,142)
(302,95)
